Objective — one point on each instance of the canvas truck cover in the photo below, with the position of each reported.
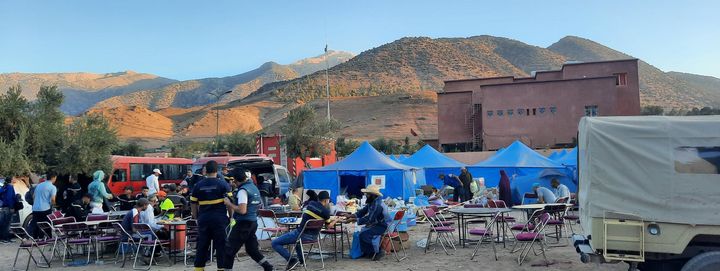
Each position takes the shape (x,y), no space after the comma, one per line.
(662,169)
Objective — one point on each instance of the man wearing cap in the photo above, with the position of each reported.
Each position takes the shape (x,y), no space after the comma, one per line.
(375,217)
(208,207)
(152,181)
(544,194)
(315,210)
(244,208)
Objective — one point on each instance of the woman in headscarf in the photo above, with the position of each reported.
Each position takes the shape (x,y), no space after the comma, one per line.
(98,192)
(504,189)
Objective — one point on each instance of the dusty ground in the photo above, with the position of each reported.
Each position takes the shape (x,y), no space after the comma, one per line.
(565,257)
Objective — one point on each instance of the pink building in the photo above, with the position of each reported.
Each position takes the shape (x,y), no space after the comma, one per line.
(541,111)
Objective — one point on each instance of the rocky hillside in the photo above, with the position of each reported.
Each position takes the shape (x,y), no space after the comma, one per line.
(83,90)
(411,64)
(656,87)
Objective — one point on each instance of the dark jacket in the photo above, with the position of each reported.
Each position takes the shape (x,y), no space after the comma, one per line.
(373,214)
(314,210)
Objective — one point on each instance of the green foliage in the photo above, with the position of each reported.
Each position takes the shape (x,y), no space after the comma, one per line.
(33,137)
(129,149)
(344,147)
(306,135)
(703,111)
(652,110)
(389,146)
(237,143)
(90,141)
(189,149)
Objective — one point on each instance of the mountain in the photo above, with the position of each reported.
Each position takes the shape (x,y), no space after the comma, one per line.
(83,90)
(190,93)
(411,64)
(670,90)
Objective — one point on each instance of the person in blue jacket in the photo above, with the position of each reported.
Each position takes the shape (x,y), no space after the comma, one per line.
(454,182)
(375,219)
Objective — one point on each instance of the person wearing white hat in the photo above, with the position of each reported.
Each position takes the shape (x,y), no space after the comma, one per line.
(152,182)
(374,217)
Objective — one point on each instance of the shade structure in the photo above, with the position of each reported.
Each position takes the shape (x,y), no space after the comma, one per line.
(569,159)
(554,155)
(517,160)
(523,184)
(433,163)
(365,165)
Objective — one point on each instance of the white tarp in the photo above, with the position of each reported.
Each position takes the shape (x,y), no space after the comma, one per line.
(662,169)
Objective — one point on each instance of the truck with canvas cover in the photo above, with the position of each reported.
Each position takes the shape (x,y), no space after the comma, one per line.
(649,191)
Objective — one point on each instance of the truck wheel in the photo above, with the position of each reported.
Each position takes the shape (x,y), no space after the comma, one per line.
(707,261)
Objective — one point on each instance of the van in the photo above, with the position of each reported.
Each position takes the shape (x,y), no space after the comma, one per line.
(260,166)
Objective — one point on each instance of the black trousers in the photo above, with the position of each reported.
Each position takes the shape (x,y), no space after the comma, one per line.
(243,233)
(40,216)
(211,227)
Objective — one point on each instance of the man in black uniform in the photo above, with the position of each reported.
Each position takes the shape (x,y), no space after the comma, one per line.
(207,202)
(244,208)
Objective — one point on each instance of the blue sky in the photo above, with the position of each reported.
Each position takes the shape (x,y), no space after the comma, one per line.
(195,39)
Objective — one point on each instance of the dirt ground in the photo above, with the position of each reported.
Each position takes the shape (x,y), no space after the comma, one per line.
(565,258)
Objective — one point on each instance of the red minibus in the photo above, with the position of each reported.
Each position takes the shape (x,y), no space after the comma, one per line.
(132,171)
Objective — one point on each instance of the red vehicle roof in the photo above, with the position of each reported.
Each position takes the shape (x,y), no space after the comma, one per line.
(224,160)
(150,160)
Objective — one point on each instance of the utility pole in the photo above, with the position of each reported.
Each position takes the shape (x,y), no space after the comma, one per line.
(327,80)
(217,115)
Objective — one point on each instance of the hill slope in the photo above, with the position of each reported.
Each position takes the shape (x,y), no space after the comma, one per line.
(83,90)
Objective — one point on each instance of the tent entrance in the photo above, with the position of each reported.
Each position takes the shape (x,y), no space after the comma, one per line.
(352,185)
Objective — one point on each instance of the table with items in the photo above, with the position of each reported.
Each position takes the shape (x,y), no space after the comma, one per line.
(460,213)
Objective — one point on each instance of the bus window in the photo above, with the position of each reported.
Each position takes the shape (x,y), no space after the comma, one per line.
(120,175)
(137,173)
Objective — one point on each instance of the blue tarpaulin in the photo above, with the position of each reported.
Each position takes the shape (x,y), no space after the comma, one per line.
(523,184)
(569,159)
(517,160)
(433,164)
(365,161)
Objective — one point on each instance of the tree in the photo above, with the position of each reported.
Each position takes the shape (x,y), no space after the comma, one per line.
(90,142)
(386,146)
(345,147)
(46,129)
(188,149)
(306,135)
(129,149)
(652,110)
(237,142)
(14,161)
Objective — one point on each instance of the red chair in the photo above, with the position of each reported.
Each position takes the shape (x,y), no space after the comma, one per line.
(149,240)
(96,217)
(271,231)
(442,232)
(313,225)
(529,196)
(62,220)
(392,234)
(29,244)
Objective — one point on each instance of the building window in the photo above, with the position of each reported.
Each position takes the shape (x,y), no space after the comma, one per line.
(520,111)
(534,111)
(542,110)
(591,110)
(510,112)
(553,109)
(499,113)
(621,79)
(489,113)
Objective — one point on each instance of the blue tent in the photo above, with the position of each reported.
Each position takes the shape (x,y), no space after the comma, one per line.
(523,184)
(359,169)
(516,159)
(554,155)
(433,164)
(559,154)
(569,159)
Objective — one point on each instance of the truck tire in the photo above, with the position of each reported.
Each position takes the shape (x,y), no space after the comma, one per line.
(27,221)
(708,261)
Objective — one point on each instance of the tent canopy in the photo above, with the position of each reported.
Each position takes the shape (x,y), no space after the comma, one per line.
(569,159)
(517,155)
(364,158)
(428,157)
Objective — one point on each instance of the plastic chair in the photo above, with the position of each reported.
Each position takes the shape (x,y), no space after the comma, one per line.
(126,241)
(485,234)
(271,231)
(28,244)
(314,225)
(442,232)
(75,237)
(147,240)
(392,234)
